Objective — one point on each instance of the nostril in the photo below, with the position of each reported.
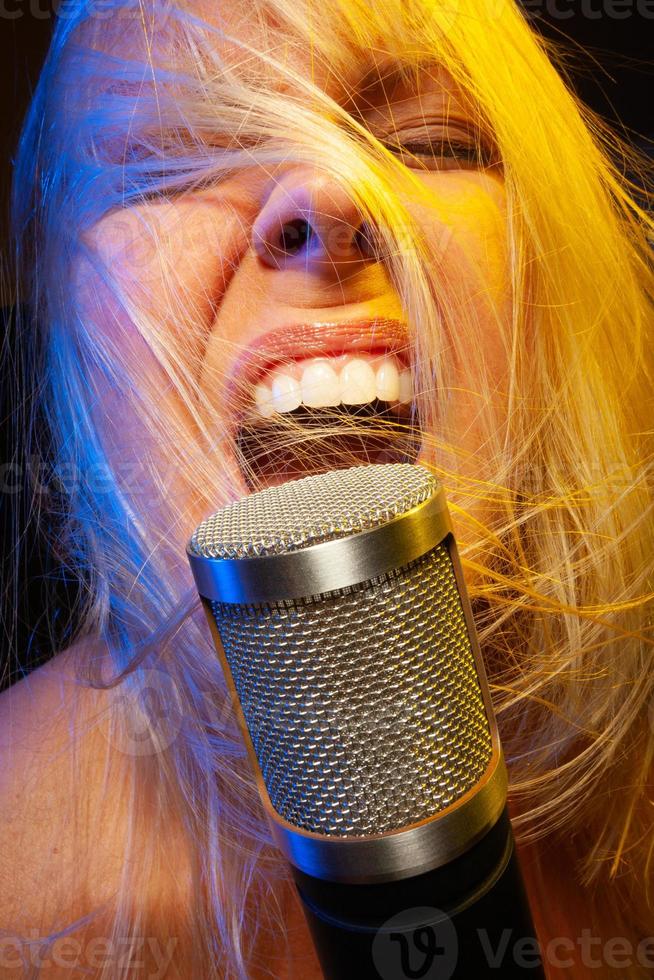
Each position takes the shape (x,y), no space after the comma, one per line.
(278,242)
(295,235)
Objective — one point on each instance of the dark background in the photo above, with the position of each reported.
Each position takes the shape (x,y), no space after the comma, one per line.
(25,28)
(609,47)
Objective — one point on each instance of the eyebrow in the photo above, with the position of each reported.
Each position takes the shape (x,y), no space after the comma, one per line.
(380,78)
(380,75)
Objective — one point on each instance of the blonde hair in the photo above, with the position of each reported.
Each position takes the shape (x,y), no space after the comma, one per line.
(563,567)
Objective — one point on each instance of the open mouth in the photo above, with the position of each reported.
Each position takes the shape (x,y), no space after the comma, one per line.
(316,399)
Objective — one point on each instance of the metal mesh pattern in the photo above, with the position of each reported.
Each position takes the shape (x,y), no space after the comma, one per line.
(363,705)
(311,510)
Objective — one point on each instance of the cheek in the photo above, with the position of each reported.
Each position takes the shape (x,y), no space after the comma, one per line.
(169,265)
(468,232)
(147,297)
(471,243)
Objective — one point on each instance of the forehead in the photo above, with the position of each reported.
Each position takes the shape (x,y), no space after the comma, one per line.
(369,75)
(260,49)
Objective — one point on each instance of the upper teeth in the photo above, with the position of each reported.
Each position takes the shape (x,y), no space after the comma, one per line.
(321,382)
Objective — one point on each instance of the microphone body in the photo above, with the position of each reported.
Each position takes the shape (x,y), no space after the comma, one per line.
(467,919)
(340,615)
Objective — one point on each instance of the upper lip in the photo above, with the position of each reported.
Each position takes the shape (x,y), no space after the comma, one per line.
(383,335)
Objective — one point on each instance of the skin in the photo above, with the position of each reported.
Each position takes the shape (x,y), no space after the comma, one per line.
(211,294)
(210,266)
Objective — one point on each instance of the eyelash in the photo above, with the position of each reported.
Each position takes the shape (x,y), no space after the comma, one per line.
(473,154)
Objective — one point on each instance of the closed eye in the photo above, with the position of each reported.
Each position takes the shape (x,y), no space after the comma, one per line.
(442,153)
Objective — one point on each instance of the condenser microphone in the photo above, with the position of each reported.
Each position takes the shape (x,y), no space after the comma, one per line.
(339,613)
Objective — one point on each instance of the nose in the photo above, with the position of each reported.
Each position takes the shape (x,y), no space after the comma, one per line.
(308,220)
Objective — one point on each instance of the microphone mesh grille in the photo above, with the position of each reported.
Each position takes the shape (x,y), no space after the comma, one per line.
(319,508)
(363,705)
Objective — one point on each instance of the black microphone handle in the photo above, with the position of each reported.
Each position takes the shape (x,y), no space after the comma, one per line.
(466,920)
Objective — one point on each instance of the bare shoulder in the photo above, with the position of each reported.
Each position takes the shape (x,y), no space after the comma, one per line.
(64,823)
(57,830)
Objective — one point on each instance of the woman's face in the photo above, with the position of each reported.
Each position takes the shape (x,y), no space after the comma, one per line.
(272,280)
